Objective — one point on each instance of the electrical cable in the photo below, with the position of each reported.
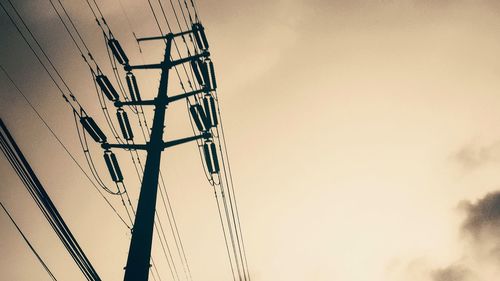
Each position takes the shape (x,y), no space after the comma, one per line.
(42,262)
(142,113)
(65,148)
(64,96)
(225,236)
(232,188)
(44,203)
(230,183)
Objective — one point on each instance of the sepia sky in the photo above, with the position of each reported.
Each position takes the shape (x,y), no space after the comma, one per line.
(364,139)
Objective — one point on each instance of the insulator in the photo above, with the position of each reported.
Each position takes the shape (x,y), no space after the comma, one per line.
(215,159)
(199,36)
(209,108)
(124,124)
(212,75)
(196,65)
(133,88)
(200,118)
(113,167)
(205,74)
(196,118)
(206,109)
(211,158)
(213,107)
(106,87)
(117,51)
(204,37)
(204,116)
(92,129)
(208,159)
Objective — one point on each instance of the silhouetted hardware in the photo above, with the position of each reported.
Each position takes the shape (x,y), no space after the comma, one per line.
(197,30)
(133,89)
(106,87)
(163,102)
(124,124)
(137,267)
(210,110)
(92,129)
(200,37)
(173,63)
(200,117)
(197,66)
(212,75)
(163,145)
(211,158)
(117,51)
(205,73)
(113,167)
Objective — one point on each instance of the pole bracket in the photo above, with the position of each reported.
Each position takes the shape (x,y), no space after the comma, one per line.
(205,135)
(164,37)
(155,101)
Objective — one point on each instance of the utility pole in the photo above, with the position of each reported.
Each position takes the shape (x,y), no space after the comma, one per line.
(137,268)
(142,234)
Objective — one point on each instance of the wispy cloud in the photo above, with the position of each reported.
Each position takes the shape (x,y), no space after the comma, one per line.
(453,272)
(473,156)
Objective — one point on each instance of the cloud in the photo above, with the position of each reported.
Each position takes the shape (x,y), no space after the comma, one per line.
(473,156)
(452,273)
(480,240)
(482,226)
(481,237)
(483,217)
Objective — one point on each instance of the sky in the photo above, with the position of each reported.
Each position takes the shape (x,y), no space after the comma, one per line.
(363,138)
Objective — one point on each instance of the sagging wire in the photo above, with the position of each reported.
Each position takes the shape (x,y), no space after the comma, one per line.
(88,156)
(62,144)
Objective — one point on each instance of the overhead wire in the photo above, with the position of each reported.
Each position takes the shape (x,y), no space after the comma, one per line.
(226,209)
(45,204)
(78,110)
(65,148)
(227,172)
(230,184)
(39,258)
(225,159)
(96,70)
(75,110)
(145,138)
(225,236)
(229,193)
(173,224)
(55,69)
(175,228)
(231,234)
(100,97)
(232,187)
(64,95)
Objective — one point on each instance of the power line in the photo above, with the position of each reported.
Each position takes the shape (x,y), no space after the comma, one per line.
(45,204)
(42,262)
(135,164)
(229,185)
(232,190)
(169,211)
(38,57)
(224,181)
(65,148)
